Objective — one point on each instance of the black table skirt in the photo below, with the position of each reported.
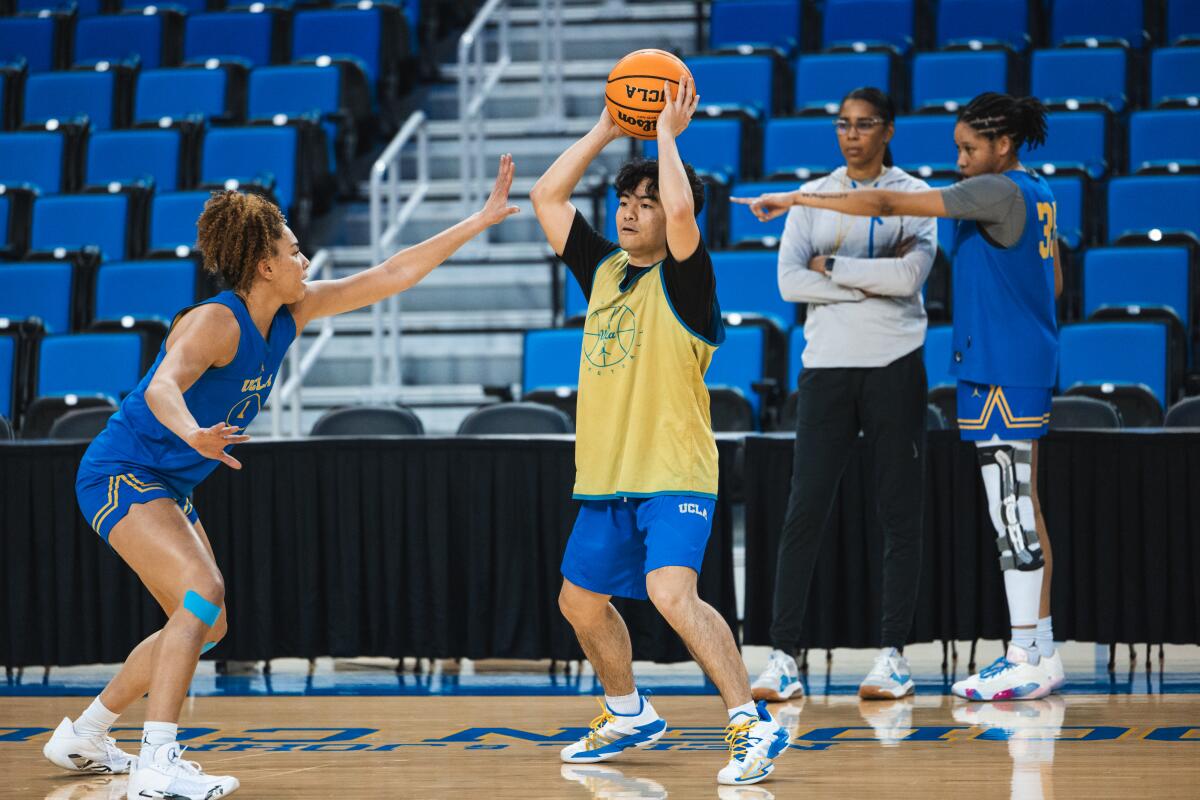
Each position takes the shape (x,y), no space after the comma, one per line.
(387,547)
(1123,513)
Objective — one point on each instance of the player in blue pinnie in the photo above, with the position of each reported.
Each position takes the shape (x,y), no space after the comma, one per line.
(1006,279)
(212,376)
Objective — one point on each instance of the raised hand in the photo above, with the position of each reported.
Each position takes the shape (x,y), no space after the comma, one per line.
(497,209)
(767,206)
(678,111)
(211,442)
(606,127)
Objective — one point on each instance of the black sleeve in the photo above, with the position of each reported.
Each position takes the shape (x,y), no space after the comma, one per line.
(583,251)
(692,288)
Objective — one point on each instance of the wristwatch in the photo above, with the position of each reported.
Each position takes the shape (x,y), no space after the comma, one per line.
(829,264)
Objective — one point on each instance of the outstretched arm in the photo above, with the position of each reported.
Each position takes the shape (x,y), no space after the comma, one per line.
(405,269)
(551,195)
(861,203)
(674,188)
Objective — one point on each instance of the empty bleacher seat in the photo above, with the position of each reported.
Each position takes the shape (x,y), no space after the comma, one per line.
(1120,353)
(133,156)
(149,38)
(516,418)
(368,421)
(1175,76)
(1083,413)
(1164,140)
(1076,141)
(369,37)
(736,366)
(1071,210)
(1183,22)
(34,39)
(744,226)
(173,219)
(801,147)
(988,22)
(1078,21)
(236,36)
(8,382)
(951,79)
(736,81)
(38,159)
(1080,77)
(869,23)
(144,290)
(180,94)
(747,283)
(710,145)
(1145,204)
(924,145)
(83,424)
(67,96)
(1184,414)
(89,364)
(72,222)
(1136,276)
(771,23)
(823,79)
(266,155)
(551,358)
(35,289)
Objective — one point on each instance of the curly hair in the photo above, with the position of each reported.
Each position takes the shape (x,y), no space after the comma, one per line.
(633,172)
(993,115)
(235,232)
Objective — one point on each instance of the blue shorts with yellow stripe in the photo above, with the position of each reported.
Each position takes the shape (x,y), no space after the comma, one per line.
(1009,412)
(105,498)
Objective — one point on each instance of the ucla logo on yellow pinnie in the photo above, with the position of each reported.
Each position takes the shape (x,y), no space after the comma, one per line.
(610,337)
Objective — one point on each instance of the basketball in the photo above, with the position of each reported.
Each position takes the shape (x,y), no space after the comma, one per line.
(634,93)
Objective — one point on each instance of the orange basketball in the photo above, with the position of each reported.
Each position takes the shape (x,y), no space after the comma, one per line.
(634,94)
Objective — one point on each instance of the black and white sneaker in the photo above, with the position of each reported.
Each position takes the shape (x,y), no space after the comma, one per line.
(95,754)
(169,777)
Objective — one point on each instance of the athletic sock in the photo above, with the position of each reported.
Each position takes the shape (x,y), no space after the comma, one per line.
(154,736)
(1045,636)
(745,708)
(1024,638)
(626,704)
(96,720)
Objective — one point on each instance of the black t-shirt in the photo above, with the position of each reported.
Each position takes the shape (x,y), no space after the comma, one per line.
(691,285)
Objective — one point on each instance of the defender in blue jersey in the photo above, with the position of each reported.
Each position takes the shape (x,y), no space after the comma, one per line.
(1005,355)
(213,375)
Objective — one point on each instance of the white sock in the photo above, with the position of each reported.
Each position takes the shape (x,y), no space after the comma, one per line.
(1024,638)
(1045,636)
(96,720)
(154,736)
(1023,590)
(626,705)
(745,708)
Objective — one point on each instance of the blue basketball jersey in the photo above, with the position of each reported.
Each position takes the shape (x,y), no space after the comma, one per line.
(234,394)
(1005,330)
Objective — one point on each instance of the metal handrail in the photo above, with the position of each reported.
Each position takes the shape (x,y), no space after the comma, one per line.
(299,365)
(550,49)
(475,83)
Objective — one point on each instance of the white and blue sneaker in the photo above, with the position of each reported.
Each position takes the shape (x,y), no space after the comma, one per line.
(607,783)
(891,719)
(611,734)
(1017,675)
(779,681)
(889,679)
(754,744)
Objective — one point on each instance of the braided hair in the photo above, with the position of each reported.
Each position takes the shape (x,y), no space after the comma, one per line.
(235,232)
(994,115)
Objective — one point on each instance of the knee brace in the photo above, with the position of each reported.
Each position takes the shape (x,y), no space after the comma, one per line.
(203,610)
(1006,469)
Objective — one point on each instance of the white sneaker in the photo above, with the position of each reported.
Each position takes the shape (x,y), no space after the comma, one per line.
(170,777)
(889,679)
(609,782)
(754,744)
(1031,728)
(891,719)
(611,734)
(1013,676)
(779,681)
(98,754)
(1053,667)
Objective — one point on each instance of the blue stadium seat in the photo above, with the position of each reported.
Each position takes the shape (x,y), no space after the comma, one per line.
(747,283)
(773,23)
(1075,140)
(988,22)
(66,96)
(85,8)
(357,35)
(796,345)
(1183,21)
(952,79)
(945,227)
(8,366)
(1161,138)
(6,238)
(180,94)
(30,38)
(36,158)
(251,155)
(1085,75)
(551,358)
(186,6)
(173,219)
(738,362)
(1141,204)
(1070,198)
(151,40)
(1175,76)
(1114,352)
(230,36)
(743,225)
(89,363)
(1142,276)
(710,145)
(144,289)
(1073,21)
(296,91)
(939,344)
(801,146)
(924,145)
(735,81)
(73,222)
(871,22)
(822,80)
(37,289)
(130,156)
(575,304)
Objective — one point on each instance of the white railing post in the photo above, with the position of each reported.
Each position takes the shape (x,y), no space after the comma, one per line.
(552,105)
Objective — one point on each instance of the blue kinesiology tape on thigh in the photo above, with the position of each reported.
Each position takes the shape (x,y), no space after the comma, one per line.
(207,646)
(204,610)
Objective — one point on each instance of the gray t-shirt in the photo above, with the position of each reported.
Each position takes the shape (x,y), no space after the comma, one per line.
(994,201)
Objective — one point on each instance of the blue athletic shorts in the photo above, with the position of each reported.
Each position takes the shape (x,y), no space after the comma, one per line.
(616,542)
(105,498)
(1010,412)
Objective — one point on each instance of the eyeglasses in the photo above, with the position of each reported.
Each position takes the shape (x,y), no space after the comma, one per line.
(864,125)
